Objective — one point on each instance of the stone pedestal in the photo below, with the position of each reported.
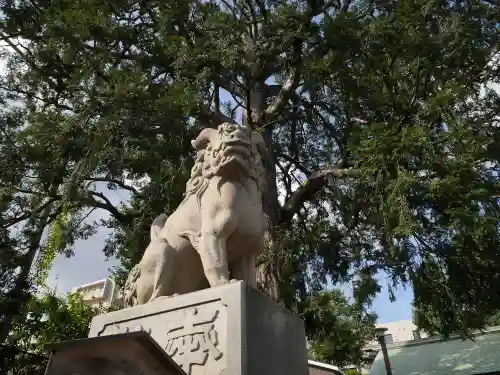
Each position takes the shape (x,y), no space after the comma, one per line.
(133,353)
(226,330)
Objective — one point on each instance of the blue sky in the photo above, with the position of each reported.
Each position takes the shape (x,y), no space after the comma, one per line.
(389,311)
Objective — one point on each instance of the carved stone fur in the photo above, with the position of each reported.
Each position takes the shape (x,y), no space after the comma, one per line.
(218,229)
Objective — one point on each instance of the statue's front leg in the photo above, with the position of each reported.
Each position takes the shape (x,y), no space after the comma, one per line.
(213,254)
(213,246)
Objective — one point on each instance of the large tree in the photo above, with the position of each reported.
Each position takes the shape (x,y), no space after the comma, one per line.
(383,138)
(41,215)
(338,330)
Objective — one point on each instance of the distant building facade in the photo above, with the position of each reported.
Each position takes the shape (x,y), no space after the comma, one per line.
(100,293)
(398,331)
(435,356)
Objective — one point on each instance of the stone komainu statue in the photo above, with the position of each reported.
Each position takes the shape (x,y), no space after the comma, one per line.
(218,229)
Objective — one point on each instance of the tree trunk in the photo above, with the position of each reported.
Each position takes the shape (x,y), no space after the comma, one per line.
(268,271)
(268,265)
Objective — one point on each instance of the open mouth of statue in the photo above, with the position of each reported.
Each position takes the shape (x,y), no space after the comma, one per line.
(234,156)
(237,147)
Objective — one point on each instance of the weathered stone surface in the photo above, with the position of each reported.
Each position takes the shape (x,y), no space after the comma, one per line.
(229,329)
(217,230)
(125,354)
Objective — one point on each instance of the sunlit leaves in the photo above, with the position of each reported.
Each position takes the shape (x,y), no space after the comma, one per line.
(338,330)
(49,318)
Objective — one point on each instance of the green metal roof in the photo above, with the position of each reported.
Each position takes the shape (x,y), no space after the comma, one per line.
(433,356)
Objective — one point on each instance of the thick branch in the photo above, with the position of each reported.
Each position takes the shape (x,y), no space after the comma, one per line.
(230,86)
(290,84)
(106,205)
(116,182)
(314,183)
(15,220)
(86,198)
(213,119)
(47,101)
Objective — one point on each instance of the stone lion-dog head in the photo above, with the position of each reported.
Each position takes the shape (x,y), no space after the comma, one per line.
(230,151)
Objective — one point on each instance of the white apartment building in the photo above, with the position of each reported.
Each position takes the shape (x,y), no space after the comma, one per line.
(100,293)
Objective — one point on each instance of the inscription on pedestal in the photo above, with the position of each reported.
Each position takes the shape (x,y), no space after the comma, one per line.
(227,330)
(193,336)
(195,340)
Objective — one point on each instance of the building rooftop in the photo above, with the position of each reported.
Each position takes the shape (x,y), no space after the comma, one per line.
(434,356)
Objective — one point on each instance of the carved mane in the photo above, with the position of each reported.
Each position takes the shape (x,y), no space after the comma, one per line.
(197,183)
(202,171)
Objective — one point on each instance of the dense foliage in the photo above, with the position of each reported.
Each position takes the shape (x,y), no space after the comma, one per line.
(346,329)
(48,318)
(493,320)
(383,131)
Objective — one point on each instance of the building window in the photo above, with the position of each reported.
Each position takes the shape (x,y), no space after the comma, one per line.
(388,338)
(416,335)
